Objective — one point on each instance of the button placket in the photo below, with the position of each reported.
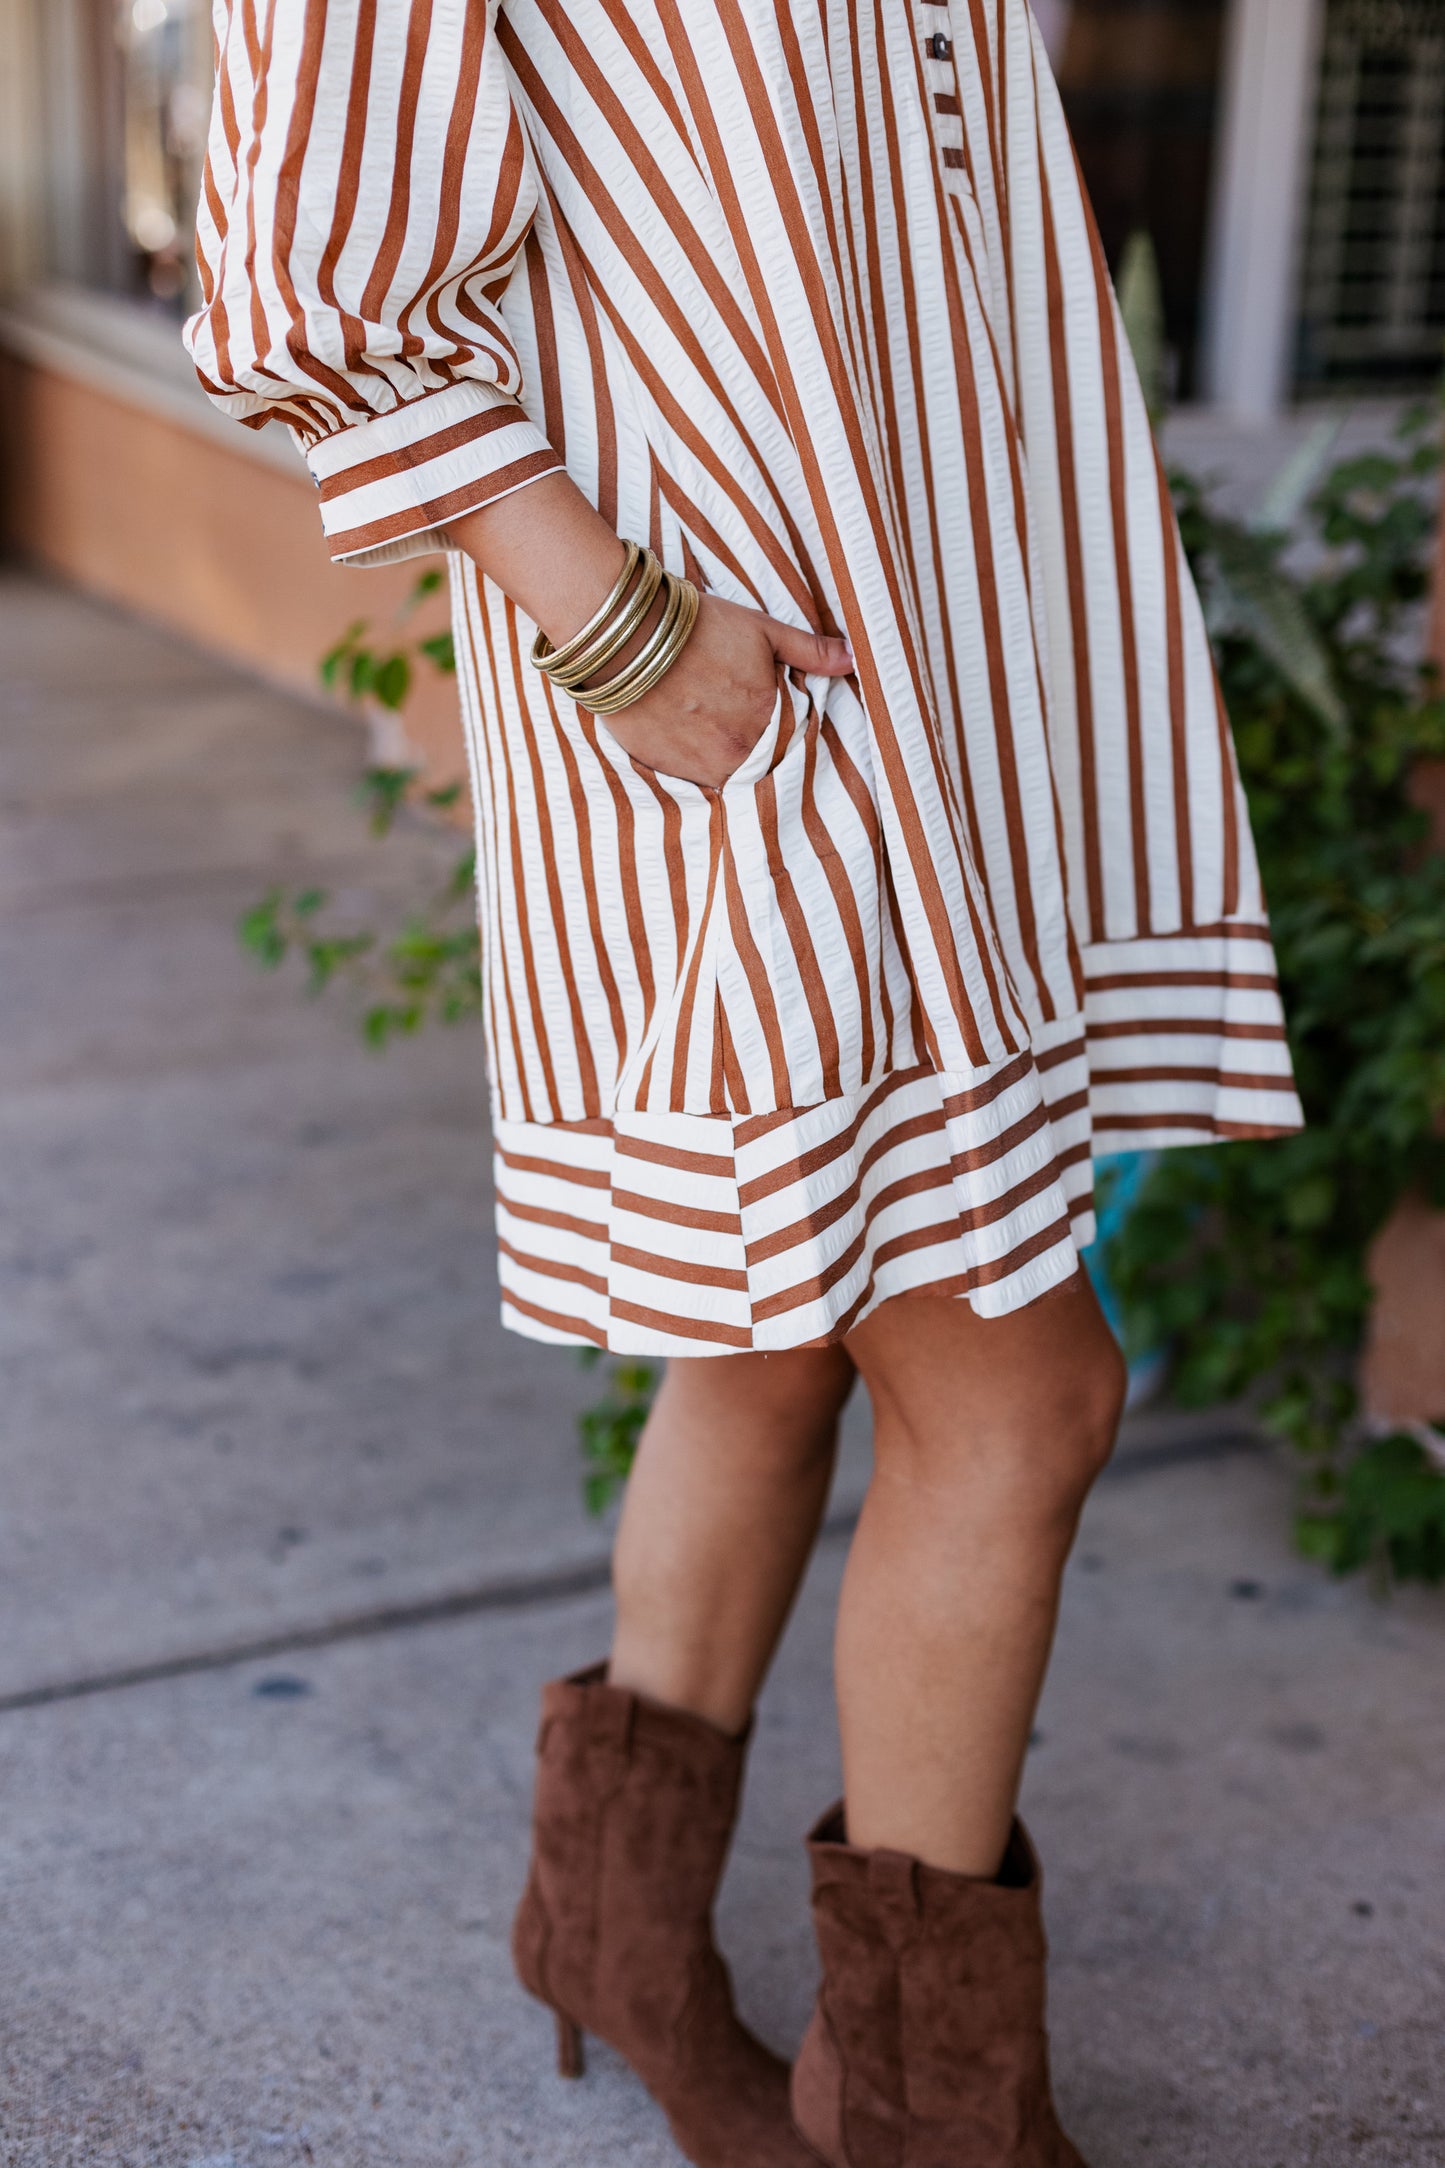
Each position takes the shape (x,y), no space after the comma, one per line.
(940,71)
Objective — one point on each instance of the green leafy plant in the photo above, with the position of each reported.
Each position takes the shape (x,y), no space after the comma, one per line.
(1388,1514)
(427,969)
(610,1428)
(364,672)
(1249,1259)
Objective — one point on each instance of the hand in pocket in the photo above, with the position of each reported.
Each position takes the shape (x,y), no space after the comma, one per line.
(715,702)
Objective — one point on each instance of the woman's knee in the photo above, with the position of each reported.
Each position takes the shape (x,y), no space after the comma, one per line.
(1066,1429)
(1089,1412)
(1035,1429)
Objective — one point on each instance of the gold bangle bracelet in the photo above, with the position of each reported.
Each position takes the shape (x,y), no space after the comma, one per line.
(551,659)
(648,668)
(620,691)
(644,683)
(614,636)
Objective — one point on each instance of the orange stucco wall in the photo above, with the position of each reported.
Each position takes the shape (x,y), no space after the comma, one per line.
(210,542)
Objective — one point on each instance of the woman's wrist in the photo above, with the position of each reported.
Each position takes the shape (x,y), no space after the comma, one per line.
(549,550)
(556,557)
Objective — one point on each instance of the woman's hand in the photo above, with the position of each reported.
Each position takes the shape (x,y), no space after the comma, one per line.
(554,554)
(714,704)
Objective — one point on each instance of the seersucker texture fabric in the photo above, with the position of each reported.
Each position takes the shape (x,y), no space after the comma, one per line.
(807,295)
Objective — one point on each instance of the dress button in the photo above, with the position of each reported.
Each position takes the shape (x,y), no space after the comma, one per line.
(940,46)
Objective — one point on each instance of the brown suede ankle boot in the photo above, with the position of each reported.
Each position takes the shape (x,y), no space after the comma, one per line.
(634,1812)
(927,2047)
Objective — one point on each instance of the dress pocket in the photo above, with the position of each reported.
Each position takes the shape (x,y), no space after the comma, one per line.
(777,1001)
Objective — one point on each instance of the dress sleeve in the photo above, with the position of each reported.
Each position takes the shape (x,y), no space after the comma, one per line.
(368,187)
(1153,813)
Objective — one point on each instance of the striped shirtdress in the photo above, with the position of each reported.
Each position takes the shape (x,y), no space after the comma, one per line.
(806,294)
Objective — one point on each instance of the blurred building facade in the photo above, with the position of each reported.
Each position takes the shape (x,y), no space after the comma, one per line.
(1286,156)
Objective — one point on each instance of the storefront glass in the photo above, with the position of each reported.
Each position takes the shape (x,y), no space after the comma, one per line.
(1140,81)
(164,56)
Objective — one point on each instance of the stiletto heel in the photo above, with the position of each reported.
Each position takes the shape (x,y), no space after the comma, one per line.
(570,2060)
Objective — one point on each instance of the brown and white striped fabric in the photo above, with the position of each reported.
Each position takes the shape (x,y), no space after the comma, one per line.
(805,293)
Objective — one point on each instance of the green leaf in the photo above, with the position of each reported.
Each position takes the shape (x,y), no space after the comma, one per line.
(1141,304)
(1310,1202)
(383,792)
(464,875)
(260,933)
(1253,596)
(1285,497)
(1392,1509)
(361,674)
(610,1428)
(332,661)
(391,681)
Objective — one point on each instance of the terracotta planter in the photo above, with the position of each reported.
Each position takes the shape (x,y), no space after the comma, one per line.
(1402,1377)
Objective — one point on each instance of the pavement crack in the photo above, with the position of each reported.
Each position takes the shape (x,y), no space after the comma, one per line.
(519,1593)
(527,1592)
(1151,1459)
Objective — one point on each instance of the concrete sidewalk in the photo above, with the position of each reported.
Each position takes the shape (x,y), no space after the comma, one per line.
(255,1398)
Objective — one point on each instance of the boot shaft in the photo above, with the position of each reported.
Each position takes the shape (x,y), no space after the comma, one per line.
(928,2048)
(634,1813)
(632,1821)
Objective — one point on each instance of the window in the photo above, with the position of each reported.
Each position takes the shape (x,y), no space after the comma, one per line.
(164,49)
(122,93)
(1373,303)
(1140,83)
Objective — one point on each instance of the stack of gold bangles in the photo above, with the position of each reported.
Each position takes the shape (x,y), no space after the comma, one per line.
(604,636)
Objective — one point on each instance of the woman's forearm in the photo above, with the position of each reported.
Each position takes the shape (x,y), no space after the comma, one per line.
(549,549)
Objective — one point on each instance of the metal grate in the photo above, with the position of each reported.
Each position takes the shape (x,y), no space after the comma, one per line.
(1373,304)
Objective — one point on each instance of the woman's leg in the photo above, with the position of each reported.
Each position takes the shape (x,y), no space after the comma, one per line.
(639,1772)
(988,1434)
(722,1509)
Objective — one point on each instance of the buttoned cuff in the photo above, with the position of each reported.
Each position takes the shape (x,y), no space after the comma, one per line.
(389,485)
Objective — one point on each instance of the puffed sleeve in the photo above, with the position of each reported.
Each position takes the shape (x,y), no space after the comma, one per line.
(367,190)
